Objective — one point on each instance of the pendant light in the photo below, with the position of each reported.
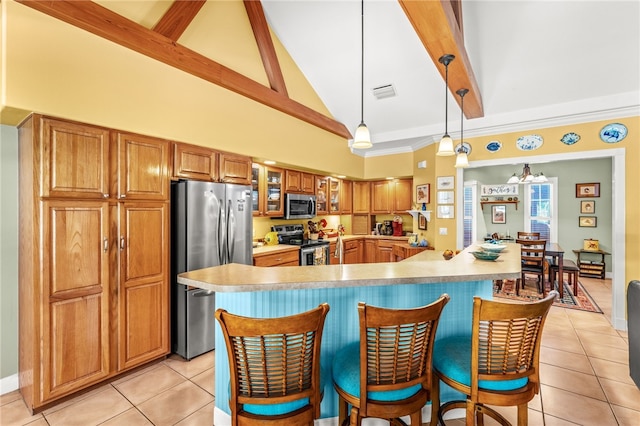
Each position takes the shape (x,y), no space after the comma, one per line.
(446,143)
(362,138)
(462,160)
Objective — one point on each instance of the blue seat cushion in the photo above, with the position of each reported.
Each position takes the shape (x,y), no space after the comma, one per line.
(346,375)
(283,408)
(452,358)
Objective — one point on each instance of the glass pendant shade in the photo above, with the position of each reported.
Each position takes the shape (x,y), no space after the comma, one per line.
(514,179)
(362,139)
(462,160)
(445,148)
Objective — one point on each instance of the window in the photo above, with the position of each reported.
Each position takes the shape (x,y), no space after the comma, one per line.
(540,202)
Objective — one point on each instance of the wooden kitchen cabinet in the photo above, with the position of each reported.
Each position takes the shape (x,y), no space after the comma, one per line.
(322,197)
(346,197)
(391,196)
(81,261)
(299,182)
(352,252)
(267,191)
(285,257)
(201,163)
(361,197)
(142,167)
(384,252)
(370,250)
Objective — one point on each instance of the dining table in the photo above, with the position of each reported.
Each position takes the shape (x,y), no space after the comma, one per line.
(557,254)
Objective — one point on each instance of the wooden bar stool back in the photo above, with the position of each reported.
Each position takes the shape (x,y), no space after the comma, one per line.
(275,367)
(387,374)
(497,364)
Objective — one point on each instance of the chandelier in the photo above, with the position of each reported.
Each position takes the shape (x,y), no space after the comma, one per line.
(527,176)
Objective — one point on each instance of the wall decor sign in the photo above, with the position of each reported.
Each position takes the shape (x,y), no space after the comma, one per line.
(445,182)
(445,197)
(613,133)
(422,222)
(499,214)
(501,189)
(587,221)
(587,207)
(587,190)
(422,194)
(445,212)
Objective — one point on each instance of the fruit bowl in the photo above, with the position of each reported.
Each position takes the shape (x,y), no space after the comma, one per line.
(485,255)
(494,248)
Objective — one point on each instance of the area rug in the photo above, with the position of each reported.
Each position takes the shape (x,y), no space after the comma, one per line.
(583,301)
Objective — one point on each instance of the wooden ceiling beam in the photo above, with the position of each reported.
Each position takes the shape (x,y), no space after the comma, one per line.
(440,31)
(178,17)
(265,45)
(102,22)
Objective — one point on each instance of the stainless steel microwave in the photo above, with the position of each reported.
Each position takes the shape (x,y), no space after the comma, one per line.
(299,206)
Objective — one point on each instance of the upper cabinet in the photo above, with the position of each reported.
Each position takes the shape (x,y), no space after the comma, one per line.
(334,196)
(196,162)
(346,197)
(391,196)
(361,197)
(142,167)
(300,182)
(267,195)
(322,185)
(75,161)
(330,196)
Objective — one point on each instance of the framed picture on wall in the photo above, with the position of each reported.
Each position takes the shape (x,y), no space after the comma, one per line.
(587,207)
(422,194)
(588,221)
(445,212)
(445,197)
(445,182)
(422,222)
(499,214)
(587,190)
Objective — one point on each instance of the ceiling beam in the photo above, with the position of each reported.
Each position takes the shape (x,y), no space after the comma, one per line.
(265,45)
(102,22)
(178,17)
(440,31)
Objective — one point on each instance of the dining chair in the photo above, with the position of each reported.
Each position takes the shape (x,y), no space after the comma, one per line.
(533,258)
(528,235)
(496,364)
(387,374)
(275,367)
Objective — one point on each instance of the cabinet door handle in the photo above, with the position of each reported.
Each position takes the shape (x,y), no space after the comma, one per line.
(123,196)
(121,243)
(105,244)
(105,195)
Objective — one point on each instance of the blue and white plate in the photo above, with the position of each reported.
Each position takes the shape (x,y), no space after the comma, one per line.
(529,142)
(570,138)
(463,147)
(614,132)
(493,146)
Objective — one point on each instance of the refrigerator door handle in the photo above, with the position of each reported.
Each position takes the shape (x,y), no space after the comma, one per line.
(203,293)
(231,219)
(221,248)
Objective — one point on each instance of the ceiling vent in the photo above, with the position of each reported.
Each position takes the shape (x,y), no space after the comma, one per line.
(386,91)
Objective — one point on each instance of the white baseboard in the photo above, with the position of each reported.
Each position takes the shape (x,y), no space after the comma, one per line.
(9,384)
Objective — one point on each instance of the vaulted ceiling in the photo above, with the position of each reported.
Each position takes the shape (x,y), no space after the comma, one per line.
(526,63)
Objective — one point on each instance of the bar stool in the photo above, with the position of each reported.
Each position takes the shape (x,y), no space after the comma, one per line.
(275,367)
(387,374)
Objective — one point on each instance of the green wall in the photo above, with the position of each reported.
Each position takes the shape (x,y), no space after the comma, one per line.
(8,251)
(568,173)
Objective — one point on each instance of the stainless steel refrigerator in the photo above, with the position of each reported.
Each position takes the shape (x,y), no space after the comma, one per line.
(211,226)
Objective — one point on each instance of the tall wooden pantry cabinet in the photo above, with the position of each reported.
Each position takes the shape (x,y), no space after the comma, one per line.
(93,261)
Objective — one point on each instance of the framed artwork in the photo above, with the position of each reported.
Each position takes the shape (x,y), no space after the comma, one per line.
(587,207)
(445,182)
(445,197)
(445,212)
(587,221)
(499,214)
(422,222)
(422,194)
(587,190)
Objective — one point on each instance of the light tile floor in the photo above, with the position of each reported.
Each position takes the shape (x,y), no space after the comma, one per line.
(584,370)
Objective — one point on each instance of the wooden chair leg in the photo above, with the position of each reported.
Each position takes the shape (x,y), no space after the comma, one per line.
(471,413)
(435,400)
(523,415)
(416,418)
(343,409)
(356,420)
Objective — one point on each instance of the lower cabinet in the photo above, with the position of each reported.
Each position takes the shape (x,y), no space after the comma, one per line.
(285,257)
(384,253)
(352,254)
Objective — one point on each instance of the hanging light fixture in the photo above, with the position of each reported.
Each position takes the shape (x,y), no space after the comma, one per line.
(446,143)
(462,160)
(362,138)
(527,176)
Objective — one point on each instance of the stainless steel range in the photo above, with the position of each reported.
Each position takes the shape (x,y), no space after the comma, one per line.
(312,252)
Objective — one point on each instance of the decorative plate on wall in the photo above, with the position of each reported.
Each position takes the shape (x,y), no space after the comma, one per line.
(464,146)
(570,138)
(614,132)
(529,142)
(493,146)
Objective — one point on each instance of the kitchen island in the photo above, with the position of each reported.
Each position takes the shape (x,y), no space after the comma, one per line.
(279,291)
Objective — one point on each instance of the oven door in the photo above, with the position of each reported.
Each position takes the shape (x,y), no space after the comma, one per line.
(314,255)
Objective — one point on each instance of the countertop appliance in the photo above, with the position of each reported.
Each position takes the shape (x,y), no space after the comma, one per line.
(299,206)
(312,252)
(211,225)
